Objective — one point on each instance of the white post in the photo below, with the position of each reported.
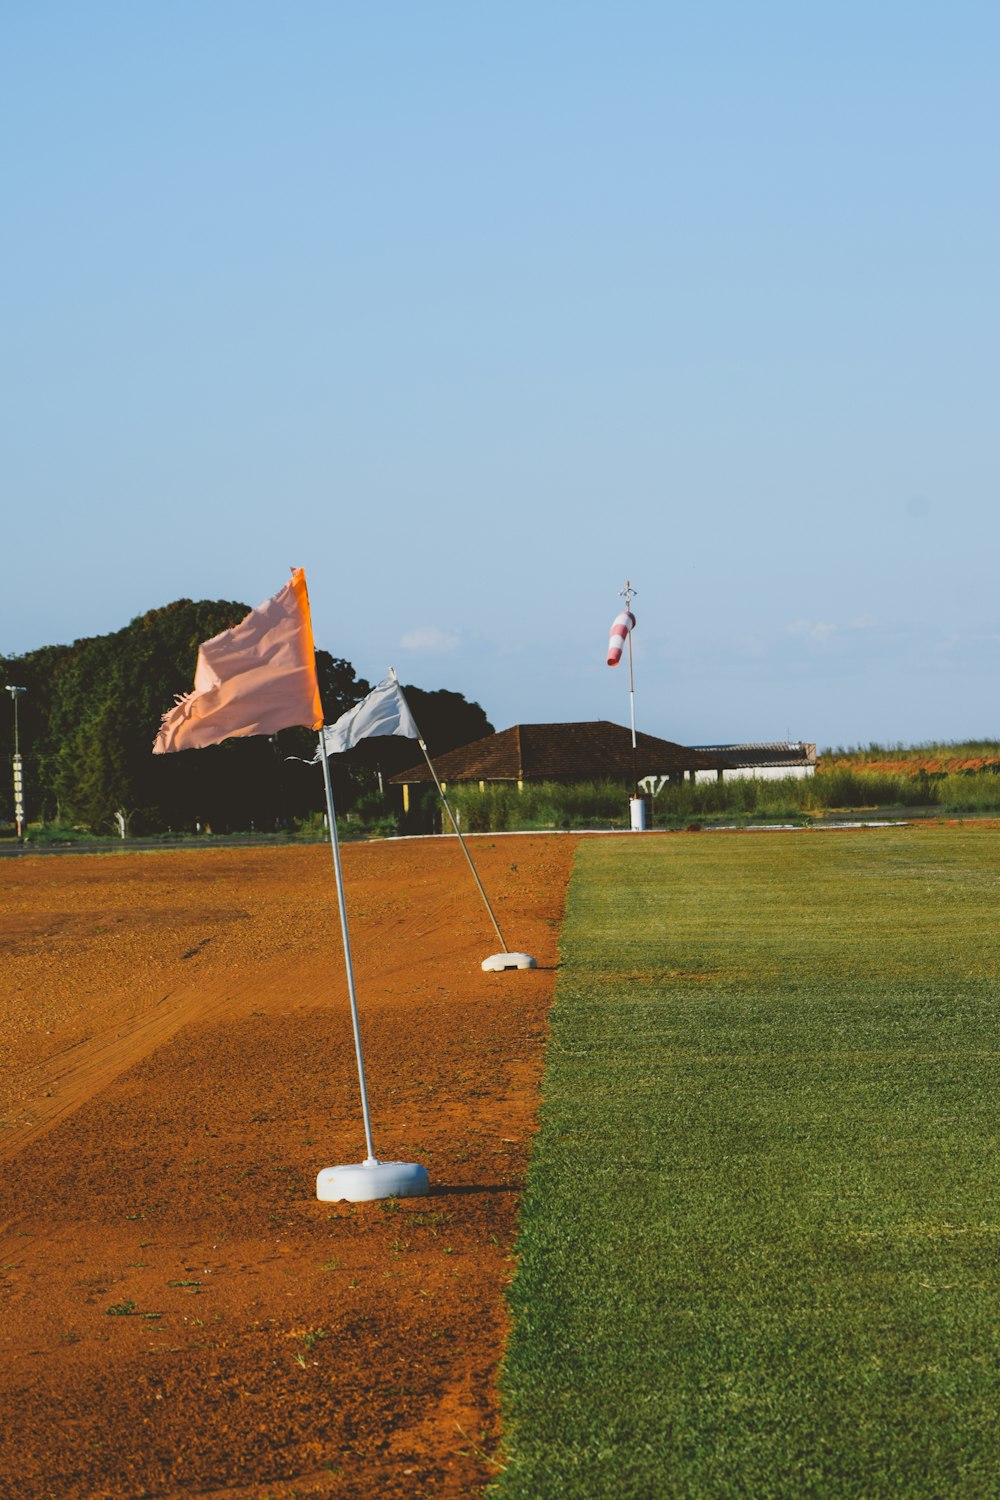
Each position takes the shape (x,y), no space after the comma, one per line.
(18,769)
(628,593)
(631,689)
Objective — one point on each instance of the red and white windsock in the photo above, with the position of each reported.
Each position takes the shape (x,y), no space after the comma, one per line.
(619,634)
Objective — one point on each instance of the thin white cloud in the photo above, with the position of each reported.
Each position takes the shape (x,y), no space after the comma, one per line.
(812,630)
(429,638)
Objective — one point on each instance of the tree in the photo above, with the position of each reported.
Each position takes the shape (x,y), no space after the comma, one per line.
(92,710)
(108,696)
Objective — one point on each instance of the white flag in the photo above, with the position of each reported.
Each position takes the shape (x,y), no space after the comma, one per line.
(384,711)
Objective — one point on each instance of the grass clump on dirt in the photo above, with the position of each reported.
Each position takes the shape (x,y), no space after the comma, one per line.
(759,1247)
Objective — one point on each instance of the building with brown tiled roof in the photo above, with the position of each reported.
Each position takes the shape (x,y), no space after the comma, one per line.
(568,753)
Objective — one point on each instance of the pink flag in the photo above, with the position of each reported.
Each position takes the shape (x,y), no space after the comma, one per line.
(257,678)
(623,623)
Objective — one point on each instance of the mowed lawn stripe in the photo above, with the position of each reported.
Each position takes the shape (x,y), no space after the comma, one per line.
(760,1246)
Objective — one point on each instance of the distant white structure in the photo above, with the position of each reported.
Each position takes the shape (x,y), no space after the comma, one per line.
(764,762)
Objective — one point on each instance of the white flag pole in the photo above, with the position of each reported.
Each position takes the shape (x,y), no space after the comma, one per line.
(628,593)
(637,805)
(465,847)
(346,936)
(506,959)
(372,1178)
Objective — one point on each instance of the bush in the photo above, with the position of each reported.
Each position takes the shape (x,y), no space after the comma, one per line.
(604,804)
(500,806)
(57,833)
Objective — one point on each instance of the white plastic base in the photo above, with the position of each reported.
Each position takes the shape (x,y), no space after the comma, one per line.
(499,961)
(370,1180)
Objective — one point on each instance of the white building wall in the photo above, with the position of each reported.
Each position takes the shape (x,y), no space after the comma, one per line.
(757,773)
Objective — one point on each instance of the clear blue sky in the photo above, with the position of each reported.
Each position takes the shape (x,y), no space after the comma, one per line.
(475,310)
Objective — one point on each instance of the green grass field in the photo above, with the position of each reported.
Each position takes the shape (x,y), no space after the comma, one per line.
(760,1247)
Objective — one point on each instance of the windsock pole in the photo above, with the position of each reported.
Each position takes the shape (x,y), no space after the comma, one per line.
(628,593)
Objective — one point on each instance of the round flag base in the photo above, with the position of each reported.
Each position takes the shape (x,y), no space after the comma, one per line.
(370,1180)
(497,962)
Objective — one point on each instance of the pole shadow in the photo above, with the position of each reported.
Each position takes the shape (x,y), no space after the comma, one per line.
(452,1190)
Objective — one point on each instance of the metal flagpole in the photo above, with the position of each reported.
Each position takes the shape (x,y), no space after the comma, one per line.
(342,905)
(506,959)
(18,774)
(371,1179)
(628,593)
(465,848)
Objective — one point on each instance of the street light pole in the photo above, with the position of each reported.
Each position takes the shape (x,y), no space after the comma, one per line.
(18,782)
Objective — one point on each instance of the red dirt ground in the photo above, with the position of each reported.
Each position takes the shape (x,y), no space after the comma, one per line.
(180,1315)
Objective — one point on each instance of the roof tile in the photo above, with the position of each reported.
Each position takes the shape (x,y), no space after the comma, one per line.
(564,752)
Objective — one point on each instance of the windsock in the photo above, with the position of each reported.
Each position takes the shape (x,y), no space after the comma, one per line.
(619,632)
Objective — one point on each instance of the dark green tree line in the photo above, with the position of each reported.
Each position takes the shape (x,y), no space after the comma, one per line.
(91,712)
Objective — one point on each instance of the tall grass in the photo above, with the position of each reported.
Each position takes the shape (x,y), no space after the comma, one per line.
(542,804)
(502,807)
(969,791)
(929,750)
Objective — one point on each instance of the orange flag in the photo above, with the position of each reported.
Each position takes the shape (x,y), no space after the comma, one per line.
(254,679)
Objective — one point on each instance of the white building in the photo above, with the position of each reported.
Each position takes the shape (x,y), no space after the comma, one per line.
(766,762)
